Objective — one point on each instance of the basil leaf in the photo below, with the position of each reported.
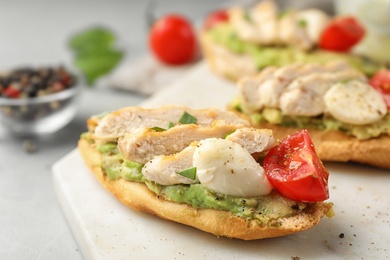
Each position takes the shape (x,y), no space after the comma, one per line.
(229,133)
(282,14)
(187,119)
(188,173)
(170,125)
(95,53)
(157,129)
(247,16)
(302,23)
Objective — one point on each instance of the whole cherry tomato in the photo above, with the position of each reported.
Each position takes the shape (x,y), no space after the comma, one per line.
(381,82)
(295,170)
(215,17)
(172,40)
(342,34)
(12,92)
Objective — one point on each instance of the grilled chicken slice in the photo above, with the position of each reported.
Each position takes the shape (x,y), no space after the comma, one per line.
(145,143)
(127,120)
(292,31)
(265,16)
(265,89)
(252,139)
(305,96)
(337,66)
(314,22)
(258,25)
(271,89)
(308,82)
(163,169)
(248,89)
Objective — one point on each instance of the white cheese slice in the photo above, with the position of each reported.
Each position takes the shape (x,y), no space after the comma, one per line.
(355,102)
(225,167)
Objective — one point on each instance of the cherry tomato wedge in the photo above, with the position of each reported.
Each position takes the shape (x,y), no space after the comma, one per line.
(172,40)
(381,82)
(215,17)
(341,34)
(295,170)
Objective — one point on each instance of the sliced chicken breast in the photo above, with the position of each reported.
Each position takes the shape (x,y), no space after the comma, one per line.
(314,22)
(144,143)
(305,96)
(259,25)
(248,89)
(292,31)
(252,139)
(126,120)
(270,90)
(265,16)
(163,169)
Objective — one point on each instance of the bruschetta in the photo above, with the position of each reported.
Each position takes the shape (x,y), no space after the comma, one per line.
(208,169)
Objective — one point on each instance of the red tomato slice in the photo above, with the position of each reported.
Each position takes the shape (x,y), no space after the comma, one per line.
(295,170)
(215,18)
(342,34)
(381,82)
(172,40)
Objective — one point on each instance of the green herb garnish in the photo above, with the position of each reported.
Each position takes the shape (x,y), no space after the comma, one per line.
(170,125)
(187,119)
(157,129)
(189,173)
(247,16)
(302,23)
(345,81)
(95,54)
(282,14)
(229,133)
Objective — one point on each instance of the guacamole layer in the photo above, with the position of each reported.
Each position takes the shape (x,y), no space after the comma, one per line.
(322,122)
(266,209)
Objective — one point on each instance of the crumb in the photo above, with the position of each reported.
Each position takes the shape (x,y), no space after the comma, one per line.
(29,146)
(295,258)
(341,235)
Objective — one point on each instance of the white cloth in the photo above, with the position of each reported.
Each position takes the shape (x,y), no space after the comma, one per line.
(145,75)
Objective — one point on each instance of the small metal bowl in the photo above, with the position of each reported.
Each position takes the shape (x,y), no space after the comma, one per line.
(39,115)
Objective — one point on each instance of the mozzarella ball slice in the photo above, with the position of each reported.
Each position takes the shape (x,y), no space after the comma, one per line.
(225,167)
(355,103)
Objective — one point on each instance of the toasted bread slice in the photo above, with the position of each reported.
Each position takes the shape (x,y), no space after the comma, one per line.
(224,62)
(220,223)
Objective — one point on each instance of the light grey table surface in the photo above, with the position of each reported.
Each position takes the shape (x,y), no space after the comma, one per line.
(32,225)
(35,32)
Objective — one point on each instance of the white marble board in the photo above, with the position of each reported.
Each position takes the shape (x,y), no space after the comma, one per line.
(106,229)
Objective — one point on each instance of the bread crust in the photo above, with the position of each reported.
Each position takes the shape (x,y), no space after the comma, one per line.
(220,223)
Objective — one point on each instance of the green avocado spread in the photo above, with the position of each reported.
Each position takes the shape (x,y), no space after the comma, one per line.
(323,122)
(267,209)
(265,56)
